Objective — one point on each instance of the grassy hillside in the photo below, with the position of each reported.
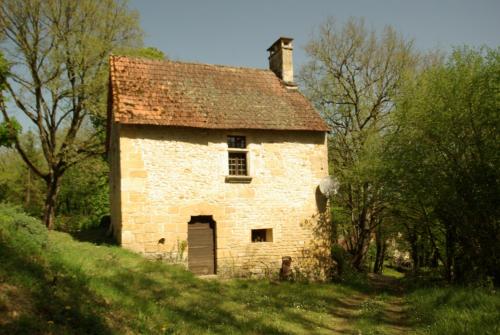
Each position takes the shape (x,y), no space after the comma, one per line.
(52,284)
(454,310)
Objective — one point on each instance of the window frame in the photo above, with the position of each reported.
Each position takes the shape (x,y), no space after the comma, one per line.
(243,154)
(236,178)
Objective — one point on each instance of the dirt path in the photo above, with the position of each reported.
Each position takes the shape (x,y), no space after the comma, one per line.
(381,311)
(395,309)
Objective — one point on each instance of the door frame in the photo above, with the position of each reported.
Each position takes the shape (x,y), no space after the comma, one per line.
(209,219)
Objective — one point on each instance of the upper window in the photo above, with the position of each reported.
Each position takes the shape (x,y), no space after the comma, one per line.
(236,142)
(237,155)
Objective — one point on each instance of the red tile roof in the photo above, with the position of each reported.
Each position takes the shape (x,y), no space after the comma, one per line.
(206,96)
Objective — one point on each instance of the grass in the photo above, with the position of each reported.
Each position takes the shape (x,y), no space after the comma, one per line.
(391,272)
(455,310)
(53,284)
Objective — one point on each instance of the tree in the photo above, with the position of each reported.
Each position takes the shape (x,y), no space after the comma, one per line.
(84,195)
(17,183)
(147,52)
(57,52)
(443,161)
(352,78)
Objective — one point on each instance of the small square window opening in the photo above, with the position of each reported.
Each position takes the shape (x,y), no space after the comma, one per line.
(262,235)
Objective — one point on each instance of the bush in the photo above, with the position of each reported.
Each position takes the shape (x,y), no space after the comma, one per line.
(41,292)
(340,257)
(75,223)
(20,231)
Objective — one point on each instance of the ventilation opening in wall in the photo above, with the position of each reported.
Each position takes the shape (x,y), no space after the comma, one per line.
(262,235)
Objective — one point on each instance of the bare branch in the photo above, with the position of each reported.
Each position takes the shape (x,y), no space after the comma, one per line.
(18,147)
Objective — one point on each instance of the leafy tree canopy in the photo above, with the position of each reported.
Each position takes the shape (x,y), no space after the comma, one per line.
(58,51)
(443,160)
(352,77)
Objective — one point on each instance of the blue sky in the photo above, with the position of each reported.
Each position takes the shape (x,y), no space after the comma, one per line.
(238,32)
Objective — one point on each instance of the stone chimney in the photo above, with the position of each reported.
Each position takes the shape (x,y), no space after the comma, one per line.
(280,59)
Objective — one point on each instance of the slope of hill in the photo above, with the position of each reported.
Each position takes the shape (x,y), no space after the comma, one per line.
(53,284)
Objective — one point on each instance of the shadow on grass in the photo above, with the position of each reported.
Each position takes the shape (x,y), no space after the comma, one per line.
(57,303)
(189,305)
(82,289)
(97,235)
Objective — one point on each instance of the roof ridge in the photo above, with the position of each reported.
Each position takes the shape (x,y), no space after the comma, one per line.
(114,57)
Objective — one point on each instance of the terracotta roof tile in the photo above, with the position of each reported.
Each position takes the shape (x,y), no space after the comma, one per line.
(206,96)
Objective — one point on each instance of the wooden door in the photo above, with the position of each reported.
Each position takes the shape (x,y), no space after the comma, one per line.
(201,246)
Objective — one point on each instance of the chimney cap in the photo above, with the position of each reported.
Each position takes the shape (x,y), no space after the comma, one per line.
(279,42)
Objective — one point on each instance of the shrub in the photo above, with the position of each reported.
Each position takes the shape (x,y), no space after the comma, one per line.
(20,231)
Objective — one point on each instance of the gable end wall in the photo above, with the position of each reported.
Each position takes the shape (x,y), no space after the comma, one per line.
(169,174)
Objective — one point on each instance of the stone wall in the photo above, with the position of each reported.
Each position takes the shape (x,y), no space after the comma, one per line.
(170,174)
(114,181)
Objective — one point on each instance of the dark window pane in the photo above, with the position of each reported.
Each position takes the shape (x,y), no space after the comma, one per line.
(236,142)
(262,235)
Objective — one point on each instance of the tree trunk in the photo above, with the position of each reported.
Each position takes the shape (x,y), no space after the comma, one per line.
(361,247)
(380,254)
(450,254)
(435,258)
(415,255)
(49,210)
(27,199)
(413,238)
(364,220)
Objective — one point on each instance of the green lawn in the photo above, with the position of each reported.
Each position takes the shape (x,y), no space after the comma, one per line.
(52,284)
(455,310)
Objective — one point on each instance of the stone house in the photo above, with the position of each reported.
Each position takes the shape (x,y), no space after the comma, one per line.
(213,166)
